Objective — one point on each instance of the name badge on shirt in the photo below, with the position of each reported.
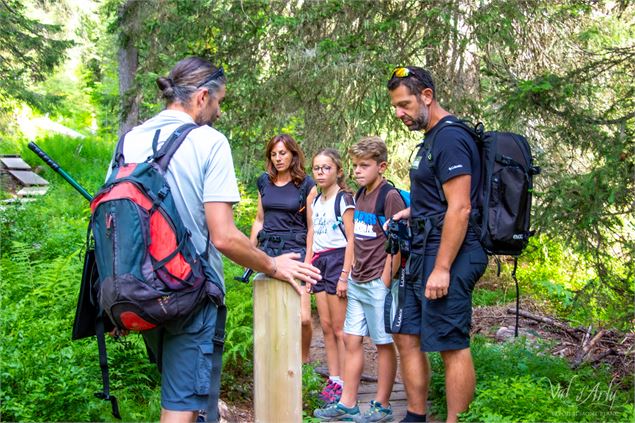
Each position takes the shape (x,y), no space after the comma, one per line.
(415,163)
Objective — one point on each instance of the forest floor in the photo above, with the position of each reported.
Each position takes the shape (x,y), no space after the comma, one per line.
(578,345)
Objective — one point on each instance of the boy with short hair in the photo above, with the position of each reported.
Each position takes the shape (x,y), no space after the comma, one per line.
(368,285)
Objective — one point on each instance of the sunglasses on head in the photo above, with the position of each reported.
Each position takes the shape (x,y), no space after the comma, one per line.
(219,73)
(402,72)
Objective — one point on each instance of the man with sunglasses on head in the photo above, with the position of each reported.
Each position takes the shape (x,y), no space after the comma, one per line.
(203,183)
(447,258)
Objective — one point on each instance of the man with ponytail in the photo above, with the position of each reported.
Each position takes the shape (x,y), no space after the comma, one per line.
(201,178)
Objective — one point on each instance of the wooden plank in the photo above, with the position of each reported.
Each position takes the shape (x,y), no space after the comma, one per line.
(28,178)
(365,388)
(364,398)
(277,355)
(14,162)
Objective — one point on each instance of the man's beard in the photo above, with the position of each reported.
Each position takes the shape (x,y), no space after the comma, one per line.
(421,122)
(201,119)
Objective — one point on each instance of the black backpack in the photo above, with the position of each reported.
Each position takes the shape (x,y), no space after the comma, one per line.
(502,221)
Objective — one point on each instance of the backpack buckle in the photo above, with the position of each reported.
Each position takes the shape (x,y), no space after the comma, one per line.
(164,192)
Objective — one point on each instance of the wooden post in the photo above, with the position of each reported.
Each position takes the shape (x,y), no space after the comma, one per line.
(277,352)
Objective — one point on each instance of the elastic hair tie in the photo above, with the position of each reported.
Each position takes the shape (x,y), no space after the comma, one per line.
(171,81)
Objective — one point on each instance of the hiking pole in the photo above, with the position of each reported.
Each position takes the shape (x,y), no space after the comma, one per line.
(245,277)
(53,165)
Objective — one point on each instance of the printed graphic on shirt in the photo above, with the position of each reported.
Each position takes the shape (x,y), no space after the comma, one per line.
(320,223)
(365,225)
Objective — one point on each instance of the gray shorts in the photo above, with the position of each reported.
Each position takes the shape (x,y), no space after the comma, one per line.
(186,359)
(365,310)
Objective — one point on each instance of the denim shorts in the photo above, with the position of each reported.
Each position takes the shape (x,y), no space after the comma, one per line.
(443,324)
(365,310)
(186,359)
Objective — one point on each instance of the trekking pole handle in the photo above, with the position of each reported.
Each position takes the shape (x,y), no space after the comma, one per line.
(56,167)
(42,155)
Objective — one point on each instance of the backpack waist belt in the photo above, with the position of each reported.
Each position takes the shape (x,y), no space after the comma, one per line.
(425,225)
(273,243)
(281,236)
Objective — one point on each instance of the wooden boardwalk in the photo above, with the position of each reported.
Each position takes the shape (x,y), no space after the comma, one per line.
(367,391)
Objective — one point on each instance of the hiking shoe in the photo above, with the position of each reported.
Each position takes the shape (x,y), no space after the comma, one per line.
(337,412)
(376,413)
(331,393)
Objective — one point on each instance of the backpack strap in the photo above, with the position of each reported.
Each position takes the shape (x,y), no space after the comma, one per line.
(337,209)
(213,414)
(359,193)
(338,212)
(261,182)
(118,158)
(103,364)
(304,194)
(155,142)
(380,205)
(476,134)
(164,155)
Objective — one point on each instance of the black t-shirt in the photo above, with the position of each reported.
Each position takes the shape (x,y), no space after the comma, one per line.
(284,207)
(454,153)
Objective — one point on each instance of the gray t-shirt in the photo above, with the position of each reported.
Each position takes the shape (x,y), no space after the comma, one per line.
(201,171)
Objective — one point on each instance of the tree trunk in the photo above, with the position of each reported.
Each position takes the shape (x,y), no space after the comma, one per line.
(128,60)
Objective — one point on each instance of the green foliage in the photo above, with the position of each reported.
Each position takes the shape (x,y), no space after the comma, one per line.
(518,398)
(564,282)
(31,50)
(482,297)
(521,381)
(62,214)
(238,358)
(45,376)
(312,384)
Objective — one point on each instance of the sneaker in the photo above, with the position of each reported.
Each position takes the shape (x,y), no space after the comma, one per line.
(376,413)
(337,412)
